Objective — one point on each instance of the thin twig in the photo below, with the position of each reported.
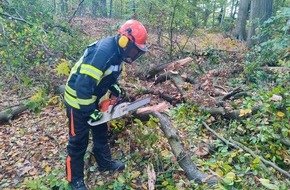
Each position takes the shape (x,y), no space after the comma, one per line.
(47,133)
(238,145)
(262,159)
(16,18)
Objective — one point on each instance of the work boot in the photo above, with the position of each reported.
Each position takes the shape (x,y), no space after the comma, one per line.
(105,162)
(78,185)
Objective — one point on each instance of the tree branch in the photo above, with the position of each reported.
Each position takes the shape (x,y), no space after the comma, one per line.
(178,150)
(16,18)
(79,5)
(238,145)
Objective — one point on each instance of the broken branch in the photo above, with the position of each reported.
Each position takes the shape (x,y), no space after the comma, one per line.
(238,145)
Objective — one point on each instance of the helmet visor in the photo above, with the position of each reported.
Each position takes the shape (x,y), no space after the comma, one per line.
(131,52)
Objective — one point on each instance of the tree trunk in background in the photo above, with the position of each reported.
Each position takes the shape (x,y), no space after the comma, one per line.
(99,8)
(95,7)
(111,8)
(239,31)
(232,7)
(54,6)
(81,10)
(260,11)
(121,8)
(206,14)
(64,6)
(193,13)
(134,7)
(103,7)
(213,13)
(222,13)
(233,16)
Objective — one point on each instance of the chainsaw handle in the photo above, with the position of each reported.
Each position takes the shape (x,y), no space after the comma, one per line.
(105,118)
(113,112)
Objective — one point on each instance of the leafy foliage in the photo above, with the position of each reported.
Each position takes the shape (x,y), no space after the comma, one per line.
(274,51)
(175,19)
(37,101)
(63,68)
(31,40)
(51,180)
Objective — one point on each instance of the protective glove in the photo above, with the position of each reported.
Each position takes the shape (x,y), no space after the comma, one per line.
(96,115)
(117,91)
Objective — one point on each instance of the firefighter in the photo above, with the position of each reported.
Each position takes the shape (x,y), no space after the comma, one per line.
(91,77)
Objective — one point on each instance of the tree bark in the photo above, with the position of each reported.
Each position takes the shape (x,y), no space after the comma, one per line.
(111,8)
(239,31)
(173,66)
(8,114)
(95,6)
(178,150)
(64,6)
(260,11)
(103,8)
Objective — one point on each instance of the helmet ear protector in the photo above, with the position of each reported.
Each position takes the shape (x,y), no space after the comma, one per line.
(124,40)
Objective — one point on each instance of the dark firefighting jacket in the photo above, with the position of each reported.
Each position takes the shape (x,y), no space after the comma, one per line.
(91,77)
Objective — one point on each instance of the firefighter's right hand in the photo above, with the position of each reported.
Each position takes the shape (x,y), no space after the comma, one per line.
(96,115)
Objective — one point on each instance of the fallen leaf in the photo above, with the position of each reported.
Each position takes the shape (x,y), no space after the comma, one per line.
(47,169)
(280,114)
(266,183)
(229,178)
(244,112)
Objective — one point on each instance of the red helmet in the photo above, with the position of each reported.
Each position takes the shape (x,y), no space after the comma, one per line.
(136,32)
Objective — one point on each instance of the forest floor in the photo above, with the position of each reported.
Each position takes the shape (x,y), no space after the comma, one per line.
(34,144)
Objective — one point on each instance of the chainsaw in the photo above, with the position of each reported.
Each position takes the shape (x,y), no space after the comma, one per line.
(112,109)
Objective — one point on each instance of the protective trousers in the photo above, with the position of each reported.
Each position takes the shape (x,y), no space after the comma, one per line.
(78,142)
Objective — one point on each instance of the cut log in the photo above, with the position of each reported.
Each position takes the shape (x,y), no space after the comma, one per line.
(173,66)
(175,78)
(8,114)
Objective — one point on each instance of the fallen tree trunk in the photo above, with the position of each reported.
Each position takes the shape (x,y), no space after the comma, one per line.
(8,114)
(178,150)
(233,114)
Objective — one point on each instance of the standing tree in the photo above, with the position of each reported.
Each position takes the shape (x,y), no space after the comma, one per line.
(206,11)
(95,5)
(64,6)
(103,7)
(99,8)
(239,31)
(260,11)
(234,6)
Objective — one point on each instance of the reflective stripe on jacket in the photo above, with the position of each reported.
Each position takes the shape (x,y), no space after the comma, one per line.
(90,78)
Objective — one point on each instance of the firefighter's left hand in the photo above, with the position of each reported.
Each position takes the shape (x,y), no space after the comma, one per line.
(117,91)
